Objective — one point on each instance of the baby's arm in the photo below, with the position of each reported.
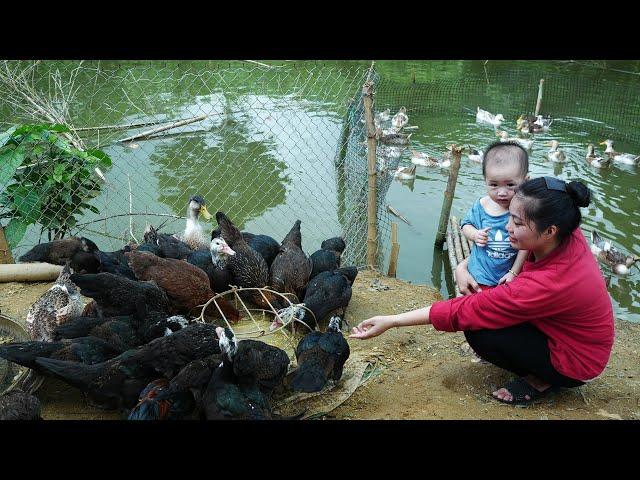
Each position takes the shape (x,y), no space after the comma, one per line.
(515,269)
(479,237)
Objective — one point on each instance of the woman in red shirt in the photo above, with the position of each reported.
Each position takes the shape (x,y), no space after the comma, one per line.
(553,325)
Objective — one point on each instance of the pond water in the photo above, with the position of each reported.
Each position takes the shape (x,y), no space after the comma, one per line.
(252,160)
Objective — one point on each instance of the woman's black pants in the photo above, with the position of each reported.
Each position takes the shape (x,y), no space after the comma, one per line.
(521,349)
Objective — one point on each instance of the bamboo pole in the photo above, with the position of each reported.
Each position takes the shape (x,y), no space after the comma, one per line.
(372,214)
(448,196)
(395,250)
(5,251)
(452,259)
(29,272)
(162,129)
(457,242)
(463,240)
(539,100)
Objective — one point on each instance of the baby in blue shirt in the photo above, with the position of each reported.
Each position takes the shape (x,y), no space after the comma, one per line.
(493,261)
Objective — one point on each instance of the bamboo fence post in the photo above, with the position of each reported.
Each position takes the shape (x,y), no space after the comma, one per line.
(395,250)
(5,251)
(463,240)
(539,101)
(452,259)
(372,214)
(448,196)
(457,242)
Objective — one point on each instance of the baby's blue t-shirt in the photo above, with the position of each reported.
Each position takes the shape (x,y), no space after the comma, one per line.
(490,263)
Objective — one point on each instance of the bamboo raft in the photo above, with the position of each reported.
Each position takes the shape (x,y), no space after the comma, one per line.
(458,247)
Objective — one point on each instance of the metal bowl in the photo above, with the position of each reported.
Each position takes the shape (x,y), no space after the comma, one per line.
(14,376)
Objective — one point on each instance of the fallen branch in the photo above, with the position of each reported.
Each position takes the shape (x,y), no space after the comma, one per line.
(162,129)
(120,127)
(127,214)
(397,214)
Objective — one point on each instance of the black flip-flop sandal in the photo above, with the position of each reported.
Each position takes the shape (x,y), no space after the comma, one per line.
(519,389)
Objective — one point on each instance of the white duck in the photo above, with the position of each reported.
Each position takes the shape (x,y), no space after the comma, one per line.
(405,173)
(475,155)
(595,160)
(524,143)
(400,119)
(544,122)
(426,160)
(193,234)
(383,116)
(555,154)
(625,158)
(485,117)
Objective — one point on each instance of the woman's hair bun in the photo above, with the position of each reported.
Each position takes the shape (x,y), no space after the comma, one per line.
(579,193)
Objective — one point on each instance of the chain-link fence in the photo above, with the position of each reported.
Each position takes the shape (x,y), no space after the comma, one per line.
(267,143)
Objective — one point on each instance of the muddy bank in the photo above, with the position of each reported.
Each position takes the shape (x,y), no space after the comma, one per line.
(419,373)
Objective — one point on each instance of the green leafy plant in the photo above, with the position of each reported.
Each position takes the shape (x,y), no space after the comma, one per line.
(45,180)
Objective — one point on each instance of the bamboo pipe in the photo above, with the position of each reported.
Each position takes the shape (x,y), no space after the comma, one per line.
(448,196)
(372,214)
(29,272)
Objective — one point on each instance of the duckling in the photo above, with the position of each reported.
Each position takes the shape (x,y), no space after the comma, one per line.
(254,362)
(327,292)
(594,160)
(321,357)
(524,143)
(328,257)
(625,158)
(19,405)
(555,154)
(56,306)
(426,160)
(87,350)
(117,382)
(400,119)
(248,267)
(482,116)
(186,285)
(475,155)
(171,407)
(405,173)
(609,255)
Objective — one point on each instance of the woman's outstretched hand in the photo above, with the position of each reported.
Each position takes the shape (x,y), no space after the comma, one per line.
(371,327)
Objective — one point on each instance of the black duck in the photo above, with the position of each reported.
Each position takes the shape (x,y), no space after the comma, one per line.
(291,268)
(327,259)
(177,406)
(18,405)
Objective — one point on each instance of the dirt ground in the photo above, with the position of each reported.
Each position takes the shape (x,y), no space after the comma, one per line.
(419,373)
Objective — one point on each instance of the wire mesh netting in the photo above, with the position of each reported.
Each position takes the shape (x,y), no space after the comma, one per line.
(267,143)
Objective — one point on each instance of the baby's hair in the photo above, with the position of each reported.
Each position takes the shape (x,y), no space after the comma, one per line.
(503,152)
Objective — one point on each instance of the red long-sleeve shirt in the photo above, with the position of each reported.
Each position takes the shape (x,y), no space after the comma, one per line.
(563,295)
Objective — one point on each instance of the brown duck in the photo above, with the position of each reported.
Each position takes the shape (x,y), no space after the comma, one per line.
(291,269)
(186,285)
(248,268)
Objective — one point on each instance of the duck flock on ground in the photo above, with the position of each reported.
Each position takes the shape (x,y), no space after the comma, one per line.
(138,347)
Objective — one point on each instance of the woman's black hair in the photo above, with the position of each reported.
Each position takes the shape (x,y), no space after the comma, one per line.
(551,201)
(506,151)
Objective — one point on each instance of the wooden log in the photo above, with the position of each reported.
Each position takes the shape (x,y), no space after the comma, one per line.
(452,259)
(539,100)
(395,250)
(372,213)
(29,272)
(162,129)
(448,196)
(5,250)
